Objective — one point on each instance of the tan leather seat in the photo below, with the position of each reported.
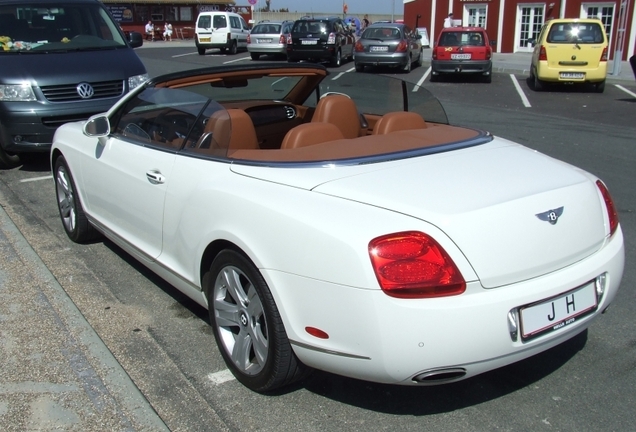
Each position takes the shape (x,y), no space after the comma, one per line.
(309,134)
(231,129)
(340,111)
(398,121)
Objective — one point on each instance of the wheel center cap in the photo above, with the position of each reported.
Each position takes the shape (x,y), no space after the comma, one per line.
(244,319)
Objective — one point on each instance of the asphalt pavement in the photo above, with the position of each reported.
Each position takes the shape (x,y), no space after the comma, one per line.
(57,374)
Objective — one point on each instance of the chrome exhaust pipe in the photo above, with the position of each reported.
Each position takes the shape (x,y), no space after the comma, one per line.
(439,376)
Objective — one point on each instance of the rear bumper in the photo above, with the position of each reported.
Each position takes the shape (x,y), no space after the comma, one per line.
(546,72)
(461,66)
(389,59)
(267,49)
(325,53)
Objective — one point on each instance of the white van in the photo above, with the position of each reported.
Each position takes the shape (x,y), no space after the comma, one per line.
(221,29)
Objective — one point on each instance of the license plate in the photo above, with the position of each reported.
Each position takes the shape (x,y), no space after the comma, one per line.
(379,49)
(557,312)
(572,75)
(460,56)
(205,39)
(308,42)
(263,40)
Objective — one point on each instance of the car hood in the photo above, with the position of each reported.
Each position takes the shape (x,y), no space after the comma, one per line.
(488,199)
(56,68)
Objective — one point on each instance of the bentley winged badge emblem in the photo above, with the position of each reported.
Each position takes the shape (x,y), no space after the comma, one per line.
(551,216)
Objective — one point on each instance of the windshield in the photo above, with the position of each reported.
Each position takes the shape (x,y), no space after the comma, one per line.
(29,27)
(457,38)
(266,29)
(571,32)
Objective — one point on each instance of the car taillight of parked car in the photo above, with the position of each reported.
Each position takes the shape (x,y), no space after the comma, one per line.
(402,46)
(332,38)
(543,55)
(604,54)
(358,47)
(612,214)
(283,39)
(249,39)
(413,265)
(488,54)
(289,39)
(434,54)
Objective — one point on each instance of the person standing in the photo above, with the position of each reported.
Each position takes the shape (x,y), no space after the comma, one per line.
(365,22)
(448,22)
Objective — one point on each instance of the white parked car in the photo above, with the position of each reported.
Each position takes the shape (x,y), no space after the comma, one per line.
(324,226)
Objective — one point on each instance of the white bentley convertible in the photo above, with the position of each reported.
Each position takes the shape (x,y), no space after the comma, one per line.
(341,223)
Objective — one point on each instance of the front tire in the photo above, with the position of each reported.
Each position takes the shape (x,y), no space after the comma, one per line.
(7,160)
(247,325)
(74,220)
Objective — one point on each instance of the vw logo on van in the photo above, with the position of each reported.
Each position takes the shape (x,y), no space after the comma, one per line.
(85,90)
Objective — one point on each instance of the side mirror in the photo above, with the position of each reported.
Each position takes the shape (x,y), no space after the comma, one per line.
(532,41)
(97,126)
(135,39)
(493,43)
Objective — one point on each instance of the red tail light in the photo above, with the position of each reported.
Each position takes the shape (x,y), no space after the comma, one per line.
(488,53)
(402,46)
(412,264)
(543,55)
(358,47)
(612,214)
(434,54)
(289,39)
(249,39)
(604,55)
(282,39)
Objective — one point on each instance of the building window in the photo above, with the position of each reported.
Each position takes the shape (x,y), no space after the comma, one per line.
(532,19)
(602,11)
(477,15)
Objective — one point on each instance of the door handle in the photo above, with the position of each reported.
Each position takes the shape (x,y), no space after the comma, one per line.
(155,177)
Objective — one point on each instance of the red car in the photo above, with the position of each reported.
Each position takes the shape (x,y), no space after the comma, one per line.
(462,50)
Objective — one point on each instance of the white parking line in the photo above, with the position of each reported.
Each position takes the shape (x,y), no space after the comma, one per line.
(221,377)
(620,87)
(522,95)
(421,81)
(36,179)
(183,55)
(236,60)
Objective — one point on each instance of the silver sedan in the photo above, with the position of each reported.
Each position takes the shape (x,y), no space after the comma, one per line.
(388,44)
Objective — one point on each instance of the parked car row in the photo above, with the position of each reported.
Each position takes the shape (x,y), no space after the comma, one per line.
(317,39)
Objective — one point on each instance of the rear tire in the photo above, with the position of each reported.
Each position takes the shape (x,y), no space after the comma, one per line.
(336,61)
(359,67)
(537,84)
(434,78)
(408,66)
(233,48)
(74,220)
(255,56)
(599,87)
(201,51)
(247,326)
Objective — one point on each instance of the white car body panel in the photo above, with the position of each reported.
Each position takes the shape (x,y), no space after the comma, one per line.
(307,229)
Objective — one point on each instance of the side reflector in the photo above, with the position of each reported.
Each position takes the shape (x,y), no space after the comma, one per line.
(317,332)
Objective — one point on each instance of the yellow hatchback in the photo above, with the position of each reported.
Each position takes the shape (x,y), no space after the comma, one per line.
(570,51)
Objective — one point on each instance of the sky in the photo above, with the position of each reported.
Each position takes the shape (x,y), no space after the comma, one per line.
(356,7)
